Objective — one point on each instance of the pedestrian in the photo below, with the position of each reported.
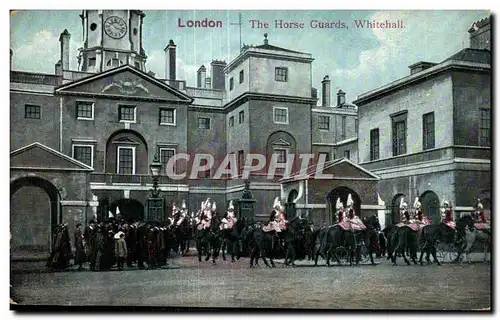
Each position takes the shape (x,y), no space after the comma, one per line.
(80,257)
(120,249)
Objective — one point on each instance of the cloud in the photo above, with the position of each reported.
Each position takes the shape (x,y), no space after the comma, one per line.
(422,39)
(184,71)
(41,53)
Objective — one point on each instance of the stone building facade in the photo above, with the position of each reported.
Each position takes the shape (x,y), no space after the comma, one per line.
(428,135)
(111,117)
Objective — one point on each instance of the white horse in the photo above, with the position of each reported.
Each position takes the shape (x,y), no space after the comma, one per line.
(471,236)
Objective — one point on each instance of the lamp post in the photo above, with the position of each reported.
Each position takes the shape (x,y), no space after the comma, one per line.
(155,203)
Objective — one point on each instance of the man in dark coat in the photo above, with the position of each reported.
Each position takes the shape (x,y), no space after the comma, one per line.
(80,257)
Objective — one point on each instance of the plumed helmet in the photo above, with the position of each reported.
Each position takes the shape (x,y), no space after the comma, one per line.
(415,203)
(350,202)
(479,204)
(202,206)
(231,206)
(402,203)
(339,204)
(183,205)
(282,208)
(208,204)
(276,204)
(446,204)
(214,207)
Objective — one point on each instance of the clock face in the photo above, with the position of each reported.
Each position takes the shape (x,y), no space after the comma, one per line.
(115,27)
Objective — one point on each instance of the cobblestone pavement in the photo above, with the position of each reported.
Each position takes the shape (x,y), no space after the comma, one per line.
(193,284)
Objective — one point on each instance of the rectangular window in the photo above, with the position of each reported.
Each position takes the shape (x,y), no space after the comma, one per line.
(92,62)
(374,144)
(344,120)
(347,154)
(85,110)
(165,155)
(428,130)
(127,113)
(326,155)
(203,123)
(231,84)
(485,128)
(242,77)
(324,122)
(241,117)
(167,117)
(31,111)
(356,125)
(231,121)
(280,115)
(399,135)
(206,173)
(83,153)
(281,74)
(137,65)
(281,155)
(126,160)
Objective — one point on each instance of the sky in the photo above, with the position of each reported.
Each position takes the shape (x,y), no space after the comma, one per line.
(356,60)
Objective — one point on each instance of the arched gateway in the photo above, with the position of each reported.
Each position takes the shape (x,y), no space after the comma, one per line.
(34,213)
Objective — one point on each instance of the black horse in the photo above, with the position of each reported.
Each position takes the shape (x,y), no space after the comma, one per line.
(232,240)
(261,244)
(209,241)
(369,237)
(333,238)
(183,235)
(295,237)
(404,240)
(440,232)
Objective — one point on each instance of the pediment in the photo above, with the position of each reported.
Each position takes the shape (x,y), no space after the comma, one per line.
(38,156)
(280,142)
(125,140)
(338,169)
(123,82)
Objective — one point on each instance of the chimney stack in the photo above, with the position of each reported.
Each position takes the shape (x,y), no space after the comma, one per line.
(340,98)
(325,88)
(11,53)
(480,34)
(201,75)
(170,60)
(58,68)
(64,40)
(265,39)
(218,78)
(208,83)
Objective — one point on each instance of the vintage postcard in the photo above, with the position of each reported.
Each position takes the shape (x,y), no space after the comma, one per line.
(201,159)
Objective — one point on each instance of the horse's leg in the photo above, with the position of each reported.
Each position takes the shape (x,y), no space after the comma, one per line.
(434,255)
(224,247)
(265,260)
(403,252)
(421,256)
(199,249)
(485,251)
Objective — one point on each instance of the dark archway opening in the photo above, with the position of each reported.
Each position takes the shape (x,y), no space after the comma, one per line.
(32,226)
(130,209)
(290,208)
(343,193)
(395,214)
(431,205)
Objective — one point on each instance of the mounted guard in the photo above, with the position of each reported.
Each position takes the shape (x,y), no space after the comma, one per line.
(274,218)
(403,212)
(340,211)
(183,213)
(419,214)
(480,218)
(207,214)
(229,218)
(447,215)
(354,221)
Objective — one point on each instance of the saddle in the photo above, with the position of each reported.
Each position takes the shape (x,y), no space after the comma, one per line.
(450,224)
(482,226)
(413,226)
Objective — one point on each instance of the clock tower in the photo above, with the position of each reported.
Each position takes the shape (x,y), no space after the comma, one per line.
(111,38)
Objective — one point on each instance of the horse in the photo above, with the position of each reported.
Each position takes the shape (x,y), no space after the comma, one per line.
(404,239)
(232,239)
(209,240)
(471,235)
(295,240)
(261,244)
(369,236)
(331,239)
(183,234)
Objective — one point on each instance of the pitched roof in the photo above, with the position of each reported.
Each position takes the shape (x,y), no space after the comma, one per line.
(275,48)
(313,170)
(472,55)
